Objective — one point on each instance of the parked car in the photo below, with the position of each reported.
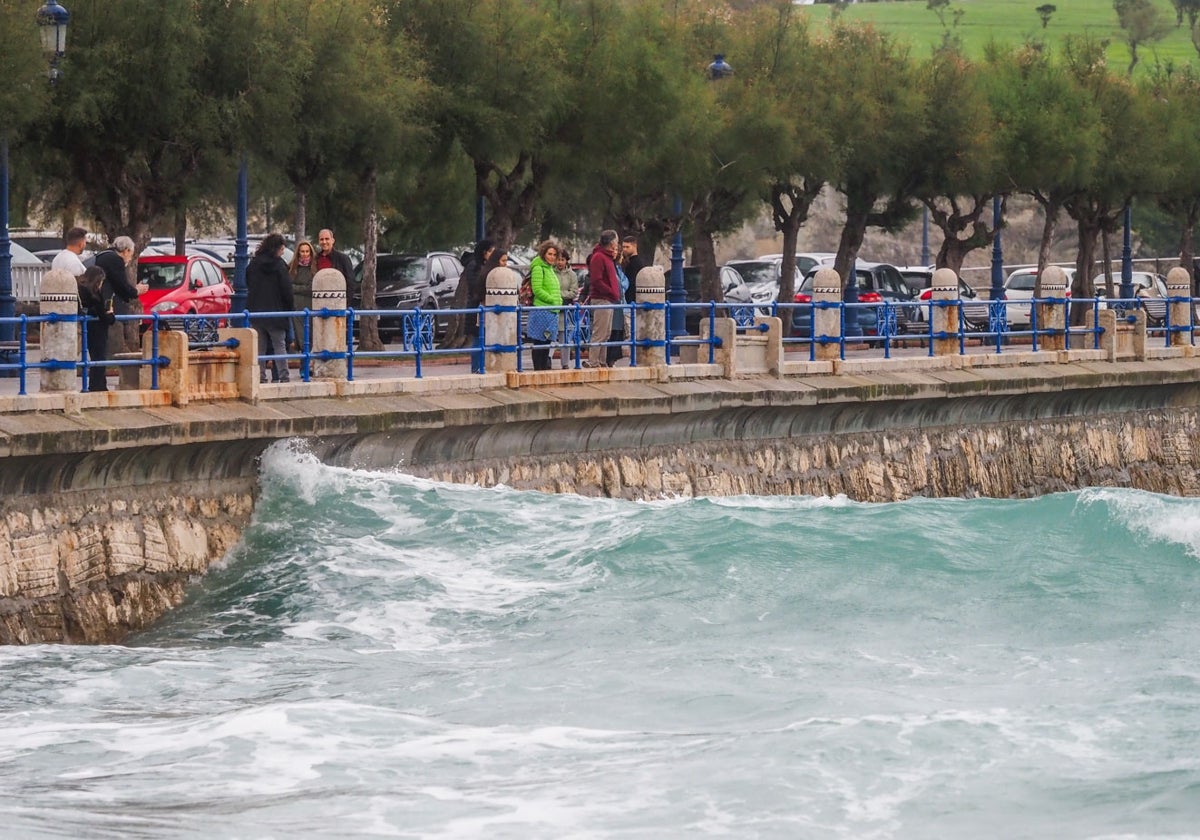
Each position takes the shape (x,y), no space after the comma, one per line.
(920,283)
(408,281)
(1019,287)
(733,286)
(806,261)
(187,285)
(763,275)
(877,283)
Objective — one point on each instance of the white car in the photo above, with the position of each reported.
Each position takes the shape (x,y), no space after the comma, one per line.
(1019,287)
(1149,288)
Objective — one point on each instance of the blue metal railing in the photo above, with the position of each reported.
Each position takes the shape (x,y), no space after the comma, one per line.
(886,326)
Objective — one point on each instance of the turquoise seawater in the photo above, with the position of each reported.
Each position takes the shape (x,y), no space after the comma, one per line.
(384,656)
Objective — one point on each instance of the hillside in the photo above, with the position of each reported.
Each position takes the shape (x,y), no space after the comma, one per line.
(1014,21)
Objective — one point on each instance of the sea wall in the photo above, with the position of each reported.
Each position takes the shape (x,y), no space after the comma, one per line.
(107,514)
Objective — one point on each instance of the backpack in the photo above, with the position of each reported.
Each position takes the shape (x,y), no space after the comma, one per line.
(525,294)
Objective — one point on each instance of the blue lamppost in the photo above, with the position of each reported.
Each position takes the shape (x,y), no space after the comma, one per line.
(1127,256)
(241,251)
(52,20)
(8,302)
(718,69)
(997,252)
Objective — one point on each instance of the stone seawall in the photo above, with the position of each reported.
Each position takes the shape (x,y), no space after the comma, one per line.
(1149,450)
(105,515)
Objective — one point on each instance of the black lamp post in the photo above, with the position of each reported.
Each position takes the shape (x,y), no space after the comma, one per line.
(1127,255)
(241,250)
(676,293)
(52,20)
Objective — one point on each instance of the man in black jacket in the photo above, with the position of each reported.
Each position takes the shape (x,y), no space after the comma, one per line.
(327,257)
(115,264)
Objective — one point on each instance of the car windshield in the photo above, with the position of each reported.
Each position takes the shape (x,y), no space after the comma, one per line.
(1022,282)
(400,272)
(758,273)
(162,275)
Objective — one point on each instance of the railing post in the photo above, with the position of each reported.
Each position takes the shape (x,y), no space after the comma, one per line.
(651,323)
(945,319)
(500,327)
(827,316)
(329,331)
(60,338)
(1051,318)
(1179,287)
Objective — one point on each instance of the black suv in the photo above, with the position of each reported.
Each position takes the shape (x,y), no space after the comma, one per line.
(409,281)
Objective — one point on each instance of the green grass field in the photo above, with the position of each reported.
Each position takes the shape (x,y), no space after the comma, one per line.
(1015,21)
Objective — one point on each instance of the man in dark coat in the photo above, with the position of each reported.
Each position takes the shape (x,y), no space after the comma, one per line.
(327,257)
(116,287)
(269,289)
(603,288)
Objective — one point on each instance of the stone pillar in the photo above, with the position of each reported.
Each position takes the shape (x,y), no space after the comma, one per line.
(329,331)
(500,328)
(175,378)
(1179,285)
(945,319)
(827,323)
(1052,316)
(247,362)
(652,323)
(60,339)
(725,354)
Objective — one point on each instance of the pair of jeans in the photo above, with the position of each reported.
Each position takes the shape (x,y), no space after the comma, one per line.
(272,341)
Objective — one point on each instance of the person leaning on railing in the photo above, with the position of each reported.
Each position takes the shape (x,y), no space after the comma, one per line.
(541,326)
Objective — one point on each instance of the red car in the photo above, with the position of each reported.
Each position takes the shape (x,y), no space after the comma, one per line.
(184,285)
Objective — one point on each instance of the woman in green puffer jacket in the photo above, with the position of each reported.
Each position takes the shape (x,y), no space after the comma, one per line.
(541,328)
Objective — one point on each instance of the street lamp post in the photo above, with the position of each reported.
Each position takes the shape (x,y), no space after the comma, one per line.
(8,302)
(241,251)
(997,252)
(1127,256)
(718,69)
(52,20)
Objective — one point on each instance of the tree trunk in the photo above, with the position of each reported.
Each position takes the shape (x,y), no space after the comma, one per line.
(180,230)
(1050,209)
(301,214)
(704,254)
(368,329)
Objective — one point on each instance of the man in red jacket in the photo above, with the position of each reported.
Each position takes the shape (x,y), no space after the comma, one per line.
(605,289)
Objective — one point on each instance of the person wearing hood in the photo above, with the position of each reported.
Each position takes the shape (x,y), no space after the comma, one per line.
(269,289)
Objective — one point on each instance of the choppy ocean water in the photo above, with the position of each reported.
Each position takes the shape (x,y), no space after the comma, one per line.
(387,656)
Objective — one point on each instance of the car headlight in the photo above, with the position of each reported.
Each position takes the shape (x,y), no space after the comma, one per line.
(164,306)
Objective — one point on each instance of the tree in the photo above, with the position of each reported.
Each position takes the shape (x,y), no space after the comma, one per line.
(1173,101)
(795,143)
(26,89)
(1045,11)
(1141,22)
(209,71)
(874,110)
(959,168)
(1047,129)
